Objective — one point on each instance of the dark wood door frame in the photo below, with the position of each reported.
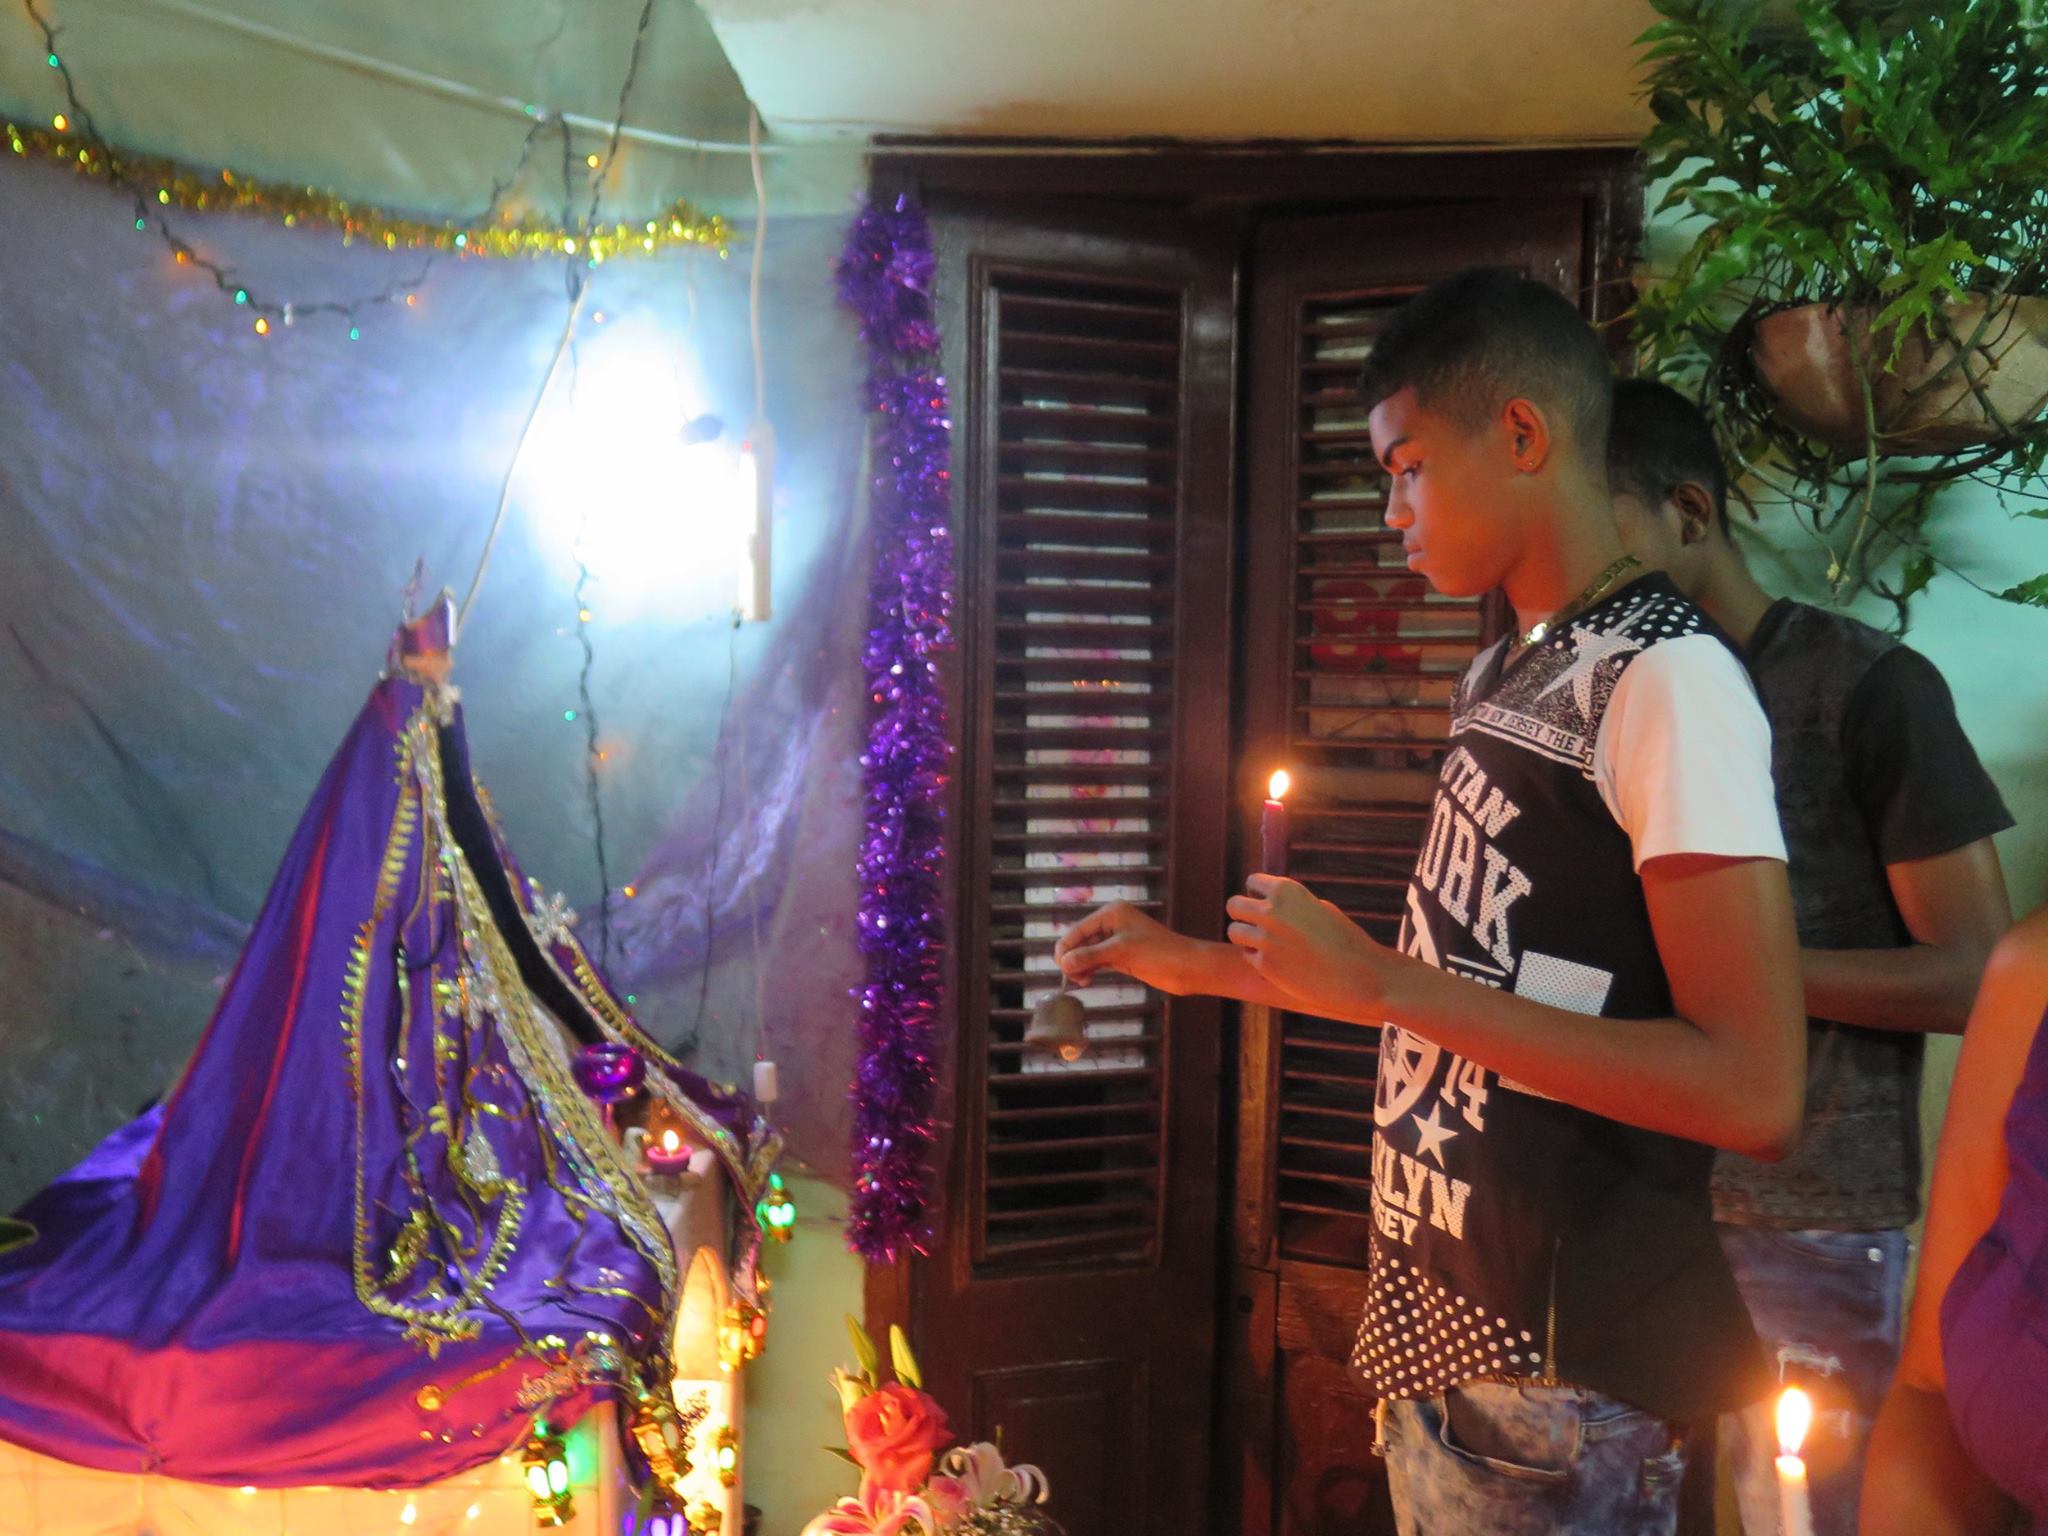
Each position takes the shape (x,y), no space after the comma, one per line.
(1235,185)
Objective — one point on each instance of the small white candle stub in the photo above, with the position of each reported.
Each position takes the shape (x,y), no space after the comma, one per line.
(1795,1417)
(767,1088)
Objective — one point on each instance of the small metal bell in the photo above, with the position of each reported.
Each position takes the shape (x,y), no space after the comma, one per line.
(1059,1023)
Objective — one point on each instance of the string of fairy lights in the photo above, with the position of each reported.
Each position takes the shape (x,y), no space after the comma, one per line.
(157,187)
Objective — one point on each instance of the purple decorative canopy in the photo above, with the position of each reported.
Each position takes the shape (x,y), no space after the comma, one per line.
(376,1227)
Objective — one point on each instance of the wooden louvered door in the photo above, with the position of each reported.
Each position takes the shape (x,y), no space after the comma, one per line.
(1349,661)
(1071,1302)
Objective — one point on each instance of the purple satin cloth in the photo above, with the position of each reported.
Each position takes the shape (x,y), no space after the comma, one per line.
(193,1304)
(1994,1319)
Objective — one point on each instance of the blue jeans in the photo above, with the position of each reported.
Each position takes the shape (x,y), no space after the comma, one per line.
(1827,1305)
(1488,1459)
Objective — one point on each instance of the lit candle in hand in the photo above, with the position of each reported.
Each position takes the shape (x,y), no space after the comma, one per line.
(1795,1417)
(1273,826)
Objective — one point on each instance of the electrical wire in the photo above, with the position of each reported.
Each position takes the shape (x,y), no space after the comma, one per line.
(150,214)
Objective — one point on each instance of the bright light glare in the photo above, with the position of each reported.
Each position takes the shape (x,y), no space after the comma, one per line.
(1795,1417)
(660,523)
(1276,787)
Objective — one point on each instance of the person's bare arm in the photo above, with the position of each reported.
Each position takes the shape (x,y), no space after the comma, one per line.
(1121,938)
(1727,1069)
(1917,1480)
(1956,909)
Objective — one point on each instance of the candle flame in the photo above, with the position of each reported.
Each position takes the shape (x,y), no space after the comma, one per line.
(1795,1417)
(671,1142)
(1276,787)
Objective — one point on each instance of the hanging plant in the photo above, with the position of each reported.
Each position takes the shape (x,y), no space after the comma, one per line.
(1861,306)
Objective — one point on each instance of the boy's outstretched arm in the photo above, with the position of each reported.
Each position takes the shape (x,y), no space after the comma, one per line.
(1728,1068)
(1121,938)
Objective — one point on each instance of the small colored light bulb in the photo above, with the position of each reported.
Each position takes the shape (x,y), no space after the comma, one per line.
(355,333)
(241,295)
(262,326)
(60,122)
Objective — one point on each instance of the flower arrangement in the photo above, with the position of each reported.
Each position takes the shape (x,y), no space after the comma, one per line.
(911,1484)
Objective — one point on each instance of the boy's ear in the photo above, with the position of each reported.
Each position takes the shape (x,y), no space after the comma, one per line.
(1696,514)
(1528,434)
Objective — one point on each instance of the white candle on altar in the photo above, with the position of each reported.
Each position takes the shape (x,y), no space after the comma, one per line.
(1795,1417)
(767,1087)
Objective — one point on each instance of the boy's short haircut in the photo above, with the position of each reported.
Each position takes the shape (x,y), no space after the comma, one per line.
(1658,441)
(1474,341)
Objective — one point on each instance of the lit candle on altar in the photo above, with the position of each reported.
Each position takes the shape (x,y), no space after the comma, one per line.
(1273,825)
(1795,1417)
(667,1153)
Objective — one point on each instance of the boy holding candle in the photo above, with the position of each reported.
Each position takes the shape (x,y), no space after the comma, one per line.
(1899,898)
(1596,980)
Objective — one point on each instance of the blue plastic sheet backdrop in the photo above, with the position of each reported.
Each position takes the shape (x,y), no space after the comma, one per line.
(204,539)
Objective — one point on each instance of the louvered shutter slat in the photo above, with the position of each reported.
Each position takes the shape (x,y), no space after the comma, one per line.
(1080,694)
(1376,655)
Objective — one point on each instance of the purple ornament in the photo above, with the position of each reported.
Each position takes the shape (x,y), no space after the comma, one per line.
(885,278)
(609,1073)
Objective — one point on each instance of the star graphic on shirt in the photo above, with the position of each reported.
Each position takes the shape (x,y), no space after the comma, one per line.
(1592,647)
(1431,1134)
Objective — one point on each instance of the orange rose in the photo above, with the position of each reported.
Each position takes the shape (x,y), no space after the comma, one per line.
(894,1432)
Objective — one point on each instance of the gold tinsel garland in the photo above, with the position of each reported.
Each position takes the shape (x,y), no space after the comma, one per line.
(228,191)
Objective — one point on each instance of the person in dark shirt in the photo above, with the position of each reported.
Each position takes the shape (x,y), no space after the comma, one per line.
(1888,818)
(1596,980)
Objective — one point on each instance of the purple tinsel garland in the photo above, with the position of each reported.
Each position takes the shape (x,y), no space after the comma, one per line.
(885,277)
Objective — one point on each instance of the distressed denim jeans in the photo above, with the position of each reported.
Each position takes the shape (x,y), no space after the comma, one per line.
(1490,1459)
(1827,1306)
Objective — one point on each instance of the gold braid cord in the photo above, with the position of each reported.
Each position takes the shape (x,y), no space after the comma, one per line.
(444,1257)
(749,1167)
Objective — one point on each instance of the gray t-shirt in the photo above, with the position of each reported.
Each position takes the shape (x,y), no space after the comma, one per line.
(1872,768)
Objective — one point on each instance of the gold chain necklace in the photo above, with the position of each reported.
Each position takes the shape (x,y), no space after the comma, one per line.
(1541,630)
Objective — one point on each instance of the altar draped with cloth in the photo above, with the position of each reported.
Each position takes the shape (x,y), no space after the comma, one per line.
(376,1227)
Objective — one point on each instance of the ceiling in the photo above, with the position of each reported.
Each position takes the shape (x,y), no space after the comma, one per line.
(423,104)
(417,104)
(1385,71)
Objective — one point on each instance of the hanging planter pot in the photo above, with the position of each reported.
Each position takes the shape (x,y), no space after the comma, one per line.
(1942,394)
